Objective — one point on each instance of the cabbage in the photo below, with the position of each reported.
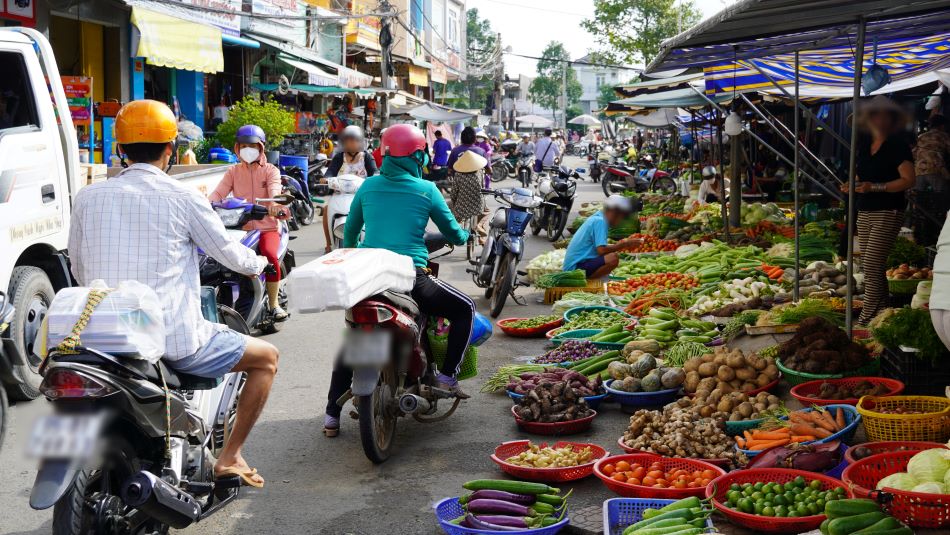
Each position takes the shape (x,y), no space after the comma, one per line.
(930,487)
(929,465)
(899,481)
(946,479)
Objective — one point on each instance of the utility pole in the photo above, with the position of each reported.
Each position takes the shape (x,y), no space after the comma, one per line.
(385,45)
(498,80)
(567,65)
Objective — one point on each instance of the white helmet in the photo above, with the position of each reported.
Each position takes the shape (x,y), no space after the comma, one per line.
(352,132)
(618,202)
(647,158)
(709,171)
(481,133)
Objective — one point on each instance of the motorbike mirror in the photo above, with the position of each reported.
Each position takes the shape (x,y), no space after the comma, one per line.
(279,199)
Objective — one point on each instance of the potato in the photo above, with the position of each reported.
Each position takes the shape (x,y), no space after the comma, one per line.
(720,360)
(714,396)
(707,369)
(772,399)
(692,365)
(725,373)
(725,387)
(736,384)
(707,383)
(724,405)
(736,360)
(747,386)
(745,409)
(771,371)
(745,374)
(762,380)
(708,357)
(706,411)
(759,407)
(759,363)
(692,381)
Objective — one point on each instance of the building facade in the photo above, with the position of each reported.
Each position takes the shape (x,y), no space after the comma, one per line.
(593,78)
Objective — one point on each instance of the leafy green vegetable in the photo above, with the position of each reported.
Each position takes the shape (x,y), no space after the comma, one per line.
(738,322)
(905,252)
(806,308)
(562,279)
(911,327)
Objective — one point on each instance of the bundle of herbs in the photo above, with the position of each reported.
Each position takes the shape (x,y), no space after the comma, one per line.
(911,327)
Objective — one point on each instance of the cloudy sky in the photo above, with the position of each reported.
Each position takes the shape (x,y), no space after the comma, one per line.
(528,25)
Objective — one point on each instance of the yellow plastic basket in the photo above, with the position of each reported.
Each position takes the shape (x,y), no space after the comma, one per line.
(933,424)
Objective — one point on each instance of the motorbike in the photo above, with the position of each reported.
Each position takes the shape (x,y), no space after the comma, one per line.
(501,167)
(345,187)
(302,210)
(316,182)
(246,295)
(599,158)
(646,177)
(496,269)
(557,188)
(130,447)
(393,371)
(525,169)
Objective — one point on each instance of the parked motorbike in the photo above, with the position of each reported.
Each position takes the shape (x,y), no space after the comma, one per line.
(393,371)
(316,182)
(496,269)
(525,169)
(618,178)
(601,157)
(557,188)
(501,167)
(122,454)
(344,187)
(246,295)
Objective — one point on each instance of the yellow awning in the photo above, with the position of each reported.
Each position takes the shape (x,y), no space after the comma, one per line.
(168,41)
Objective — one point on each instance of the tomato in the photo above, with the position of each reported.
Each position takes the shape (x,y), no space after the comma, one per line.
(709,474)
(633,480)
(661,481)
(706,482)
(680,483)
(623,466)
(655,474)
(609,469)
(619,476)
(649,481)
(639,472)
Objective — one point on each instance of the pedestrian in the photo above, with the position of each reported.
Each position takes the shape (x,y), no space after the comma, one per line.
(144,225)
(546,152)
(481,141)
(441,149)
(465,192)
(885,170)
(467,139)
(931,156)
(710,189)
(589,248)
(353,159)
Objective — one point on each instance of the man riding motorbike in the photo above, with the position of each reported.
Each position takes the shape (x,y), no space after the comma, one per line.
(143,225)
(255,178)
(354,159)
(525,147)
(393,209)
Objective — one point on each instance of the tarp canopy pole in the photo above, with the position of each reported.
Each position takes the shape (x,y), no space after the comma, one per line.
(852,168)
(722,171)
(798,265)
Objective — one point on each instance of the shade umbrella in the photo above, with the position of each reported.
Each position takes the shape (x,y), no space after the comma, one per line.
(534,120)
(586,120)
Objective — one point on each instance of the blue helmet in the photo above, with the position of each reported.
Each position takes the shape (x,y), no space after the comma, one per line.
(251,133)
(481,330)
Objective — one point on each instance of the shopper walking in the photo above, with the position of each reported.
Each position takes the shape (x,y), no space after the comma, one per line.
(885,170)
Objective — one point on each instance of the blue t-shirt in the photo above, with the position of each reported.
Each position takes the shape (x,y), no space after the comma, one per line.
(440,150)
(584,244)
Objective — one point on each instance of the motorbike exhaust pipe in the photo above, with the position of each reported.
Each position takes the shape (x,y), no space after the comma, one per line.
(158,499)
(411,404)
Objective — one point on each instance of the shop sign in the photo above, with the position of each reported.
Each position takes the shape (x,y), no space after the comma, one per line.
(294,31)
(454,62)
(418,76)
(363,31)
(439,74)
(229,23)
(352,78)
(20,10)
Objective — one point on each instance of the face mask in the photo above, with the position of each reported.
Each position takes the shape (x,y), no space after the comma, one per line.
(250,154)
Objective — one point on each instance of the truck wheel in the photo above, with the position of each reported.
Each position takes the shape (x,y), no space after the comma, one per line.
(31,294)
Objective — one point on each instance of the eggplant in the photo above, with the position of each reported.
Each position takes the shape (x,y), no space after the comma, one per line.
(508,521)
(808,457)
(499,507)
(475,523)
(485,494)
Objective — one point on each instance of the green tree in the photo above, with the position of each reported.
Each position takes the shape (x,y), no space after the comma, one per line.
(630,31)
(480,42)
(267,114)
(553,67)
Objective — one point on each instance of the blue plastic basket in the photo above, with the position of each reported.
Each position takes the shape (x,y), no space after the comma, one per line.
(449,509)
(576,334)
(622,512)
(592,401)
(642,399)
(851,417)
(571,312)
(838,470)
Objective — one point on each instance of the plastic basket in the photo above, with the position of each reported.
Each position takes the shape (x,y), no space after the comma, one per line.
(547,475)
(725,464)
(667,464)
(576,334)
(570,313)
(438,347)
(592,401)
(449,509)
(932,426)
(556,428)
(534,332)
(807,392)
(916,509)
(553,294)
(767,524)
(890,446)
(630,401)
(619,513)
(793,377)
(903,286)
(852,421)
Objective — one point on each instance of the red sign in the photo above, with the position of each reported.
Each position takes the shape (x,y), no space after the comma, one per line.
(20,10)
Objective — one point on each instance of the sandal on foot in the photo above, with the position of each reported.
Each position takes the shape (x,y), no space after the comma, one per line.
(246,475)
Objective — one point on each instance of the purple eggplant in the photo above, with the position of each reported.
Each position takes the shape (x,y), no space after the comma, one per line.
(475,523)
(499,507)
(511,521)
(809,457)
(485,494)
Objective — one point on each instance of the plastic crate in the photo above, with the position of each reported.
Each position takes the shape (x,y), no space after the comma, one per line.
(932,426)
(449,509)
(619,513)
(918,375)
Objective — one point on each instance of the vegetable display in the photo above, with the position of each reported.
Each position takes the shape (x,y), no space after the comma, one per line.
(552,260)
(732,406)
(531,323)
(651,244)
(802,426)
(597,318)
(582,386)
(728,370)
(545,456)
(653,280)
(860,517)
(502,505)
(653,475)
(578,299)
(820,279)
(676,432)
(562,279)
(799,456)
(821,348)
(796,498)
(642,374)
(834,391)
(909,327)
(665,327)
(569,351)
(682,517)
(927,472)
(551,403)
(795,313)
(906,252)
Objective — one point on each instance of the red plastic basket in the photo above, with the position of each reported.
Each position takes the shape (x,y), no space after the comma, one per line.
(557,428)
(888,447)
(667,463)
(548,475)
(807,392)
(534,332)
(916,509)
(767,524)
(725,464)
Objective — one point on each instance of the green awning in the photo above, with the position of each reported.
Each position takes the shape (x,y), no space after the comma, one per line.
(315,89)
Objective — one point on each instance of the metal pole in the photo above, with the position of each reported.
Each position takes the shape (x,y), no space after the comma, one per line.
(722,176)
(384,68)
(852,167)
(564,95)
(798,265)
(735,183)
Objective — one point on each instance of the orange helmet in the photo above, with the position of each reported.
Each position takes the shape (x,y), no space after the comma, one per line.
(145,121)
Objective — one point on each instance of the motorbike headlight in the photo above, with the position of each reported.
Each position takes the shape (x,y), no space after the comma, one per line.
(524,201)
(230,217)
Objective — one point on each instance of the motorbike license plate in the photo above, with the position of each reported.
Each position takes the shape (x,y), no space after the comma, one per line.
(366,348)
(65,436)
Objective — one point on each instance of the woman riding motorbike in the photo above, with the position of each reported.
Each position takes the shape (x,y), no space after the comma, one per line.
(354,159)
(255,178)
(393,209)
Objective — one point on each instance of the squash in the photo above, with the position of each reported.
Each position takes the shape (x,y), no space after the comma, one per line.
(644,365)
(673,378)
(646,345)
(651,383)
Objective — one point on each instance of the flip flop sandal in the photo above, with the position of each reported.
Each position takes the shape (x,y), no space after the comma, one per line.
(331,432)
(245,475)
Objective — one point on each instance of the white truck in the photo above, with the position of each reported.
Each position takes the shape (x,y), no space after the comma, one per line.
(39,174)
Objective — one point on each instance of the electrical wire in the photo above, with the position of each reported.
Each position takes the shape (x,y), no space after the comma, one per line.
(573,62)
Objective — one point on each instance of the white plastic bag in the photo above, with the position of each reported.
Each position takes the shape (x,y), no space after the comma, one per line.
(128,322)
(345,277)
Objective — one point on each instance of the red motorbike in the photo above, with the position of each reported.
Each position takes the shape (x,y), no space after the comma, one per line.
(646,177)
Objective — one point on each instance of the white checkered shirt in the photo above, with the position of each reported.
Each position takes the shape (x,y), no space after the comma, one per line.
(142,225)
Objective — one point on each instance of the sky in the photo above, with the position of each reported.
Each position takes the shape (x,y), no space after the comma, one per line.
(528,25)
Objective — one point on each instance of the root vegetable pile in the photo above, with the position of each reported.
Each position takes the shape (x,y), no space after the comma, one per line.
(838,391)
(820,347)
(675,432)
(654,280)
(545,456)
(569,351)
(641,374)
(732,406)
(552,403)
(530,380)
(728,370)
(654,475)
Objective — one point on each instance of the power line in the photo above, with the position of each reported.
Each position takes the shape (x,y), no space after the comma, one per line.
(572,62)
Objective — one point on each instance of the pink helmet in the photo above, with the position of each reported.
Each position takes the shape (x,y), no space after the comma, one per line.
(402,140)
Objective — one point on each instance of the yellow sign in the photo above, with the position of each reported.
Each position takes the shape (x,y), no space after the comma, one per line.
(171,42)
(363,31)
(418,76)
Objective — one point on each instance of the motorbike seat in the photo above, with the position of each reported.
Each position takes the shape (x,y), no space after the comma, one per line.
(618,171)
(402,301)
(180,381)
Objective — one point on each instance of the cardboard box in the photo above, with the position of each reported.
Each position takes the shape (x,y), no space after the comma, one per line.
(94,172)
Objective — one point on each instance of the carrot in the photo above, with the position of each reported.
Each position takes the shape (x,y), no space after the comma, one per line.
(764,445)
(840,419)
(802,438)
(741,442)
(770,435)
(825,420)
(809,430)
(797,418)
(747,435)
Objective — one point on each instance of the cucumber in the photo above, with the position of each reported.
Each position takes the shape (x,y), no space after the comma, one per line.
(615,328)
(846,525)
(685,514)
(658,528)
(823,528)
(839,508)
(514,487)
(886,523)
(688,332)
(663,314)
(904,530)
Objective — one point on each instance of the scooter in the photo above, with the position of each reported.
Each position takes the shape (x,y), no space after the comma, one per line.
(501,167)
(525,169)
(619,178)
(393,371)
(302,210)
(130,447)
(316,182)
(345,187)
(496,269)
(246,295)
(558,190)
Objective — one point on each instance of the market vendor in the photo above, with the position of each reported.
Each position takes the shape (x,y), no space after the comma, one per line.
(589,248)
(710,189)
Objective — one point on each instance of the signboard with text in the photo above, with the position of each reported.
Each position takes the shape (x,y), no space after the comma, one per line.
(19,10)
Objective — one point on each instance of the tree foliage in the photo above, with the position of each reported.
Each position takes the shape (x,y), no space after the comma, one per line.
(630,31)
(267,114)
(546,88)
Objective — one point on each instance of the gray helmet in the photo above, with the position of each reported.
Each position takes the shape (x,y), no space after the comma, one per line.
(352,132)
(709,171)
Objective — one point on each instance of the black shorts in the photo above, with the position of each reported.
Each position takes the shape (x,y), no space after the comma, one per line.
(591,265)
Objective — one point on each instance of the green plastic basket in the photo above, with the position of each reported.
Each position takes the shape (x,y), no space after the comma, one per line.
(903,286)
(794,378)
(438,347)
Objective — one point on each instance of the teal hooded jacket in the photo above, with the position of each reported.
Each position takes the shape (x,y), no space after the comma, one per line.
(395,207)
